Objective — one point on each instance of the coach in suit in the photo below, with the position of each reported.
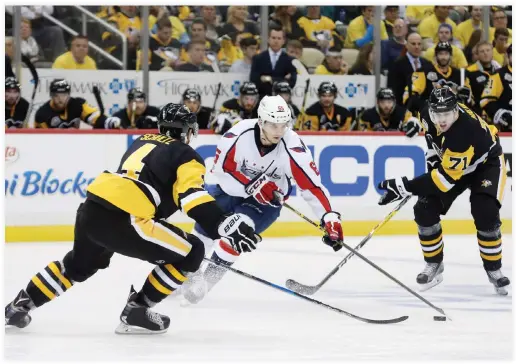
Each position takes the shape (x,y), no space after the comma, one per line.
(273,65)
(400,73)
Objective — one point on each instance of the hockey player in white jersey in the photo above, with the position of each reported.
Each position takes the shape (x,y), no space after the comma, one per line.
(255,163)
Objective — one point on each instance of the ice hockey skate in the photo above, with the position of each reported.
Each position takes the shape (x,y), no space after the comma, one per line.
(137,318)
(431,276)
(17,312)
(499,281)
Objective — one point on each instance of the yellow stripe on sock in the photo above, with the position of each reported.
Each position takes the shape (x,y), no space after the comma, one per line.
(158,285)
(433,254)
(431,242)
(491,257)
(43,288)
(489,243)
(175,273)
(57,272)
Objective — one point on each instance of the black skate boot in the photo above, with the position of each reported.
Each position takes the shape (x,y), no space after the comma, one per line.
(431,276)
(17,312)
(499,281)
(137,318)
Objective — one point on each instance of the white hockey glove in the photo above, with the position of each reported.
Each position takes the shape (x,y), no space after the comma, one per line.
(238,231)
(411,128)
(225,121)
(395,189)
(112,122)
(503,117)
(333,230)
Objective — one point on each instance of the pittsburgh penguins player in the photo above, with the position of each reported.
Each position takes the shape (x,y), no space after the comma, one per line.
(137,114)
(192,99)
(464,152)
(125,211)
(16,107)
(283,89)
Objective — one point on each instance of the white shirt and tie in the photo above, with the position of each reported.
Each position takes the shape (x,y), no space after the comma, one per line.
(274,56)
(414,61)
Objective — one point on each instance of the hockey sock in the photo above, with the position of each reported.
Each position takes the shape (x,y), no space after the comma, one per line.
(431,239)
(223,254)
(48,284)
(160,283)
(490,246)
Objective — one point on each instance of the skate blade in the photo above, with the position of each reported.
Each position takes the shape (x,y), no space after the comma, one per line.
(434,282)
(124,329)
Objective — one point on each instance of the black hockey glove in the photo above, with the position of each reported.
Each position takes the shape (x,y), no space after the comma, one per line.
(411,128)
(464,94)
(378,127)
(395,189)
(237,230)
(432,160)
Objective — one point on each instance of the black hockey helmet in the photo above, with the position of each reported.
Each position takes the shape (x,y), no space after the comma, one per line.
(443,46)
(191,94)
(176,120)
(442,100)
(136,93)
(385,93)
(281,87)
(12,83)
(248,89)
(327,87)
(60,86)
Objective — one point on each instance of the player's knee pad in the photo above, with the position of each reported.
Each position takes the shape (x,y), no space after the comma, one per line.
(427,211)
(486,212)
(79,270)
(193,259)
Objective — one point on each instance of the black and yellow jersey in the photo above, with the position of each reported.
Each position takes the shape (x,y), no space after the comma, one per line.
(312,30)
(157,55)
(75,111)
(204,117)
(233,106)
(324,69)
(15,115)
(158,176)
(498,92)
(463,149)
(140,122)
(394,121)
(478,77)
(124,24)
(316,118)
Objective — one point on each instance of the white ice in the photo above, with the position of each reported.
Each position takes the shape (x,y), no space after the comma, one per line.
(242,320)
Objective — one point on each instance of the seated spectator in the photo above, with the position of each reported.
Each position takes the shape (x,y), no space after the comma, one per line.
(128,22)
(178,28)
(164,50)
(500,44)
(212,20)
(393,47)
(249,47)
(415,14)
(360,29)
(9,54)
(29,46)
(391,13)
(364,63)
(184,13)
(230,50)
(429,27)
(445,35)
(466,28)
(198,34)
(317,31)
(283,17)
(106,12)
(295,49)
(237,23)
(196,53)
(499,22)
(332,64)
(77,58)
(469,52)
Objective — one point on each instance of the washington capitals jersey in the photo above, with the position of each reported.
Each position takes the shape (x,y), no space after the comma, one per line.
(240,157)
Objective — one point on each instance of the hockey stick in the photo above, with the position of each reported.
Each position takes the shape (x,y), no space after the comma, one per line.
(213,110)
(98,98)
(310,290)
(35,77)
(286,290)
(303,105)
(133,114)
(430,304)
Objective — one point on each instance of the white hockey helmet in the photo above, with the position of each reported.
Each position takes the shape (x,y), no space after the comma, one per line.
(274,109)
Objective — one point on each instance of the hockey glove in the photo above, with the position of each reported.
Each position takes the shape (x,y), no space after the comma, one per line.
(395,189)
(411,128)
(238,231)
(264,190)
(333,230)
(503,117)
(464,93)
(432,160)
(224,122)
(378,127)
(112,122)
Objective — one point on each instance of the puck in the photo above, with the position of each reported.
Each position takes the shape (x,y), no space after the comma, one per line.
(439,318)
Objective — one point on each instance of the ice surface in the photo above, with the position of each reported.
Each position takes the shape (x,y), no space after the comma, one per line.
(242,320)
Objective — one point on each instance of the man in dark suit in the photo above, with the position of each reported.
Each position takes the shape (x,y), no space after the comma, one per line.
(400,73)
(273,65)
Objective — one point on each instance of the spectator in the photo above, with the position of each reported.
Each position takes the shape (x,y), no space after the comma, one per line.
(500,43)
(237,23)
(164,50)
(29,47)
(286,17)
(391,13)
(198,31)
(178,28)
(230,50)
(77,58)
(393,47)
(445,35)
(364,63)
(273,65)
(196,54)
(317,31)
(499,22)
(295,49)
(415,14)
(360,30)
(400,73)
(466,28)
(469,52)
(211,19)
(429,27)
(128,22)
(49,37)
(249,47)
(332,64)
